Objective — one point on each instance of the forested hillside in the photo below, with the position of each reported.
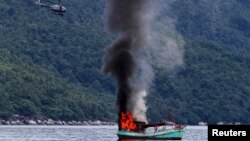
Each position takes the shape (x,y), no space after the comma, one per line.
(50,65)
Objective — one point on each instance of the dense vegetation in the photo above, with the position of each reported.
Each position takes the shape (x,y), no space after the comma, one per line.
(50,65)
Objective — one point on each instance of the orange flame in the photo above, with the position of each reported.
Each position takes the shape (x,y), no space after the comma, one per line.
(127,121)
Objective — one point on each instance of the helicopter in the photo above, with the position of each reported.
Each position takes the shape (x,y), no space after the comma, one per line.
(56,8)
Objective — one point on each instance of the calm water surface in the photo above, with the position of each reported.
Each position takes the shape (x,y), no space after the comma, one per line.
(80,133)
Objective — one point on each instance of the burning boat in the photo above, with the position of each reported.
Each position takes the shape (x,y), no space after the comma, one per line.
(130,129)
(128,61)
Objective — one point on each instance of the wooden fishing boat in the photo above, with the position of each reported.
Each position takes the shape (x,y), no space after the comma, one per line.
(167,134)
(163,130)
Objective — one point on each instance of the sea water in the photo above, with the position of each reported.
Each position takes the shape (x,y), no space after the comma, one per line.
(80,133)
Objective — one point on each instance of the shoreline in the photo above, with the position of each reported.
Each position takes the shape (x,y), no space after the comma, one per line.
(20,120)
(51,122)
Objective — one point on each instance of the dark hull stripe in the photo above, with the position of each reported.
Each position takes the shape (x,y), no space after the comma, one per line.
(150,138)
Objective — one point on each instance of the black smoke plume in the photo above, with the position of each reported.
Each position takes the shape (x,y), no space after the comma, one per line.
(130,20)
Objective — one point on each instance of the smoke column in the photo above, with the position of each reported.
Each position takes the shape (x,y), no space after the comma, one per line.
(130,20)
(130,58)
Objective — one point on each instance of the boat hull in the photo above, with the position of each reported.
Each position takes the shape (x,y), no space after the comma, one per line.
(173,134)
